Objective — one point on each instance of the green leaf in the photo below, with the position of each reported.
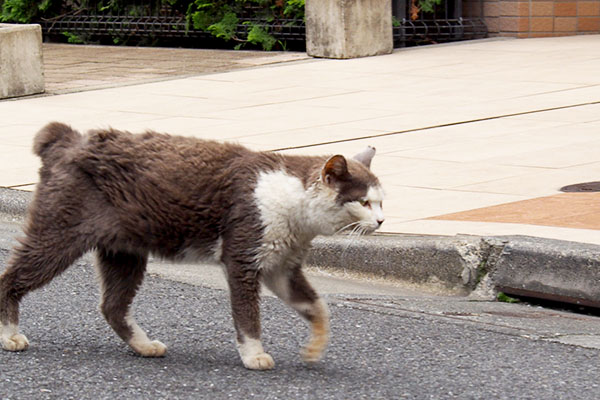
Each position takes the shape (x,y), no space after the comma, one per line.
(72,38)
(257,35)
(428,5)
(201,20)
(200,4)
(225,29)
(18,11)
(45,5)
(294,9)
(506,299)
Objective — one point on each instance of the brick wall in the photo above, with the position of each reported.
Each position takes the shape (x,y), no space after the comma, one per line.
(536,18)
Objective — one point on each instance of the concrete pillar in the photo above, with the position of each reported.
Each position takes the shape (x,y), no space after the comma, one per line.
(21,67)
(348,28)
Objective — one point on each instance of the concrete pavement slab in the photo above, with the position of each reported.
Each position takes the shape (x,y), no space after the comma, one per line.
(73,68)
(458,127)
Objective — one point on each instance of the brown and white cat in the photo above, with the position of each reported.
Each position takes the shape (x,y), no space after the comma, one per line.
(126,195)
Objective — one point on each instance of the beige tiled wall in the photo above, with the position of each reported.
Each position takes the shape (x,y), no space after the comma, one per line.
(537,18)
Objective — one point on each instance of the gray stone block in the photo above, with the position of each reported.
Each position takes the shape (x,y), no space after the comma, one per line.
(348,28)
(549,269)
(449,262)
(21,63)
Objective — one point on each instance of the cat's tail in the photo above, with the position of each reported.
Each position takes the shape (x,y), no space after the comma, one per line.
(53,139)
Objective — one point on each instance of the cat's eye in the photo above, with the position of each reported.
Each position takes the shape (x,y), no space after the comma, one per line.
(364,203)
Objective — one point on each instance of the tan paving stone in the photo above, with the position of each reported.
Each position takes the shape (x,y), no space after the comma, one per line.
(568,210)
(67,68)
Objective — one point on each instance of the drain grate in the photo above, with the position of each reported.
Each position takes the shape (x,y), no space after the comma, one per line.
(582,187)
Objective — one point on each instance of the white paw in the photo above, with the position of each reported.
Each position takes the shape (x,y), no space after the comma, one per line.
(260,361)
(15,342)
(150,349)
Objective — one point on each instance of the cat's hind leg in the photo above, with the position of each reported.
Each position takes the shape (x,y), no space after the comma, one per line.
(121,275)
(42,255)
(290,285)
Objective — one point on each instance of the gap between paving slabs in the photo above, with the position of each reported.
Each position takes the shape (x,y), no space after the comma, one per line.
(425,128)
(462,265)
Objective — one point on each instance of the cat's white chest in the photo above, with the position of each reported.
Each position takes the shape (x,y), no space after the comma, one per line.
(283,204)
(280,200)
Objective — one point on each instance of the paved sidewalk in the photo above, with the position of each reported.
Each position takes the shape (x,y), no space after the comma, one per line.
(69,68)
(473,138)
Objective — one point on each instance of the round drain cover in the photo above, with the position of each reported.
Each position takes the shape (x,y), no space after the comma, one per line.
(582,187)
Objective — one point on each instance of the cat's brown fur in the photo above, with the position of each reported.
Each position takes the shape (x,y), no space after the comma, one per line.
(126,196)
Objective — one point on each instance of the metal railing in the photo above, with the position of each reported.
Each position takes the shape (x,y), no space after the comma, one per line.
(445,24)
(143,21)
(149,21)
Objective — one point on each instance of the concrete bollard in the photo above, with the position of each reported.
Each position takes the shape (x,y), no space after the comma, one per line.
(348,28)
(21,66)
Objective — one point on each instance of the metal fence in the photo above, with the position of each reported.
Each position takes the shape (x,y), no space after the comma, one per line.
(151,22)
(445,24)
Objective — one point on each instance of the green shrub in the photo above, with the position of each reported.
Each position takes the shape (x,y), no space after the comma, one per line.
(428,6)
(23,11)
(220,18)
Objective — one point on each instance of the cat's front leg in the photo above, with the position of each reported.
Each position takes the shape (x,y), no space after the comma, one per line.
(318,315)
(252,354)
(290,285)
(244,291)
(11,339)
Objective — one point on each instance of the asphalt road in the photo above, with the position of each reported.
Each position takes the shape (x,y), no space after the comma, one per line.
(381,349)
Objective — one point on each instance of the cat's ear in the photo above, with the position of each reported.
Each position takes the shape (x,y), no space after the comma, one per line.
(336,168)
(365,156)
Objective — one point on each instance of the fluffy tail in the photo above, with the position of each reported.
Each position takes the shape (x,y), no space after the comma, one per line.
(51,142)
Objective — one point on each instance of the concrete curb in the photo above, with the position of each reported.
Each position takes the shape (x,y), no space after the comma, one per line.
(451,263)
(481,266)
(466,265)
(549,269)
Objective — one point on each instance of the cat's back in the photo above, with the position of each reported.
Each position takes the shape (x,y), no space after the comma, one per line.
(159,171)
(156,148)
(155,156)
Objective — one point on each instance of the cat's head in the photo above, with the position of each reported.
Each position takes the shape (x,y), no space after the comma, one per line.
(356,191)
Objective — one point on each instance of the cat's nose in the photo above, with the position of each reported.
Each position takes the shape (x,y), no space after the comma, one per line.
(379,222)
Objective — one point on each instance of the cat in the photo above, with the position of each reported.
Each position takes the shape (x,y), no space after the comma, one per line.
(128,195)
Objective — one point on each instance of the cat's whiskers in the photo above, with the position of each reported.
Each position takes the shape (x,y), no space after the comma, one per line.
(346,227)
(358,230)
